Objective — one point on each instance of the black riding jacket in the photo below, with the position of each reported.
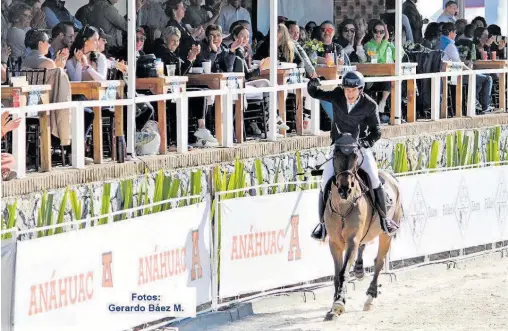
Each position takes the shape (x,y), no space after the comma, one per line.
(363,115)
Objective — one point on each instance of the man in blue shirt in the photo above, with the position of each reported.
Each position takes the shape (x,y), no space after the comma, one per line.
(56,12)
(448,15)
(451,53)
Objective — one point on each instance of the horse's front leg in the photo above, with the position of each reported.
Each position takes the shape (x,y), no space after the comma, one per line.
(359,271)
(337,250)
(384,247)
(339,304)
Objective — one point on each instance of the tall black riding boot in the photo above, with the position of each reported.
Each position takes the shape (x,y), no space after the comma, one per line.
(389,226)
(319,232)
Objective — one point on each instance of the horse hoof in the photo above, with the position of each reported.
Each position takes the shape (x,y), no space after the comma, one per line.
(359,275)
(338,308)
(368,303)
(330,316)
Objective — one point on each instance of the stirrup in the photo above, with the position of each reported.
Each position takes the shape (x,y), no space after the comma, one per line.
(319,232)
(389,230)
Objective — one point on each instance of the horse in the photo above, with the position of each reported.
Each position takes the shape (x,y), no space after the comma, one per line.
(352,220)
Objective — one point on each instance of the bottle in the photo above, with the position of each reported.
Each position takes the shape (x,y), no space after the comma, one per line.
(159,66)
(389,55)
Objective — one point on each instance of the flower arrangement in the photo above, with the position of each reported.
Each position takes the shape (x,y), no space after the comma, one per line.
(313,45)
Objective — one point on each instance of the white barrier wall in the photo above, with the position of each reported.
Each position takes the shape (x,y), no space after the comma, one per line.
(266,243)
(452,210)
(67,282)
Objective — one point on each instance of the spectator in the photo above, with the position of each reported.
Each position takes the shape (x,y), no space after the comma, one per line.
(380,45)
(37,42)
(326,36)
(310,27)
(212,7)
(350,42)
(5,20)
(415,19)
(303,36)
(466,46)
(431,38)
(232,13)
(153,15)
(460,25)
(479,22)
(84,64)
(186,40)
(140,42)
(291,51)
(450,11)
(499,43)
(55,12)
(483,41)
(106,17)
(84,14)
(197,16)
(20,15)
(213,50)
(451,53)
(389,18)
(8,161)
(294,30)
(62,36)
(39,18)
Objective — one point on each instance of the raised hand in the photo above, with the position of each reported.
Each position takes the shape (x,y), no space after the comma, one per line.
(194,51)
(213,47)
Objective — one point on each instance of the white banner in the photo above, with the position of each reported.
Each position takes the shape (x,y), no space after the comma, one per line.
(266,243)
(93,279)
(452,210)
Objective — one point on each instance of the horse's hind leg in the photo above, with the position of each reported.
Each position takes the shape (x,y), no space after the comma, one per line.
(358,270)
(384,247)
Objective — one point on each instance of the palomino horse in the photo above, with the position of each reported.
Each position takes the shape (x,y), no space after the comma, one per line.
(352,220)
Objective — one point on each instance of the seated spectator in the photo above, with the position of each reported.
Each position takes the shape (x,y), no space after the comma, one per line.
(8,161)
(431,36)
(379,46)
(84,14)
(479,22)
(451,53)
(213,50)
(326,36)
(466,46)
(290,51)
(39,18)
(140,42)
(167,49)
(351,42)
(294,30)
(460,25)
(55,12)
(62,36)
(483,42)
(231,14)
(309,28)
(303,36)
(84,65)
(197,16)
(106,17)
(497,46)
(20,16)
(176,11)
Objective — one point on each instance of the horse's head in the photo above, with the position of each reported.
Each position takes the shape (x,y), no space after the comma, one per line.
(345,162)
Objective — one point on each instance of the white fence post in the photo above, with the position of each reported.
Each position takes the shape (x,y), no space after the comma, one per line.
(315,116)
(272,120)
(78,136)
(215,256)
(227,118)
(471,96)
(19,144)
(182,123)
(131,78)
(435,98)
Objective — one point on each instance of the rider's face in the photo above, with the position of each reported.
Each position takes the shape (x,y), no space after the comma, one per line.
(351,94)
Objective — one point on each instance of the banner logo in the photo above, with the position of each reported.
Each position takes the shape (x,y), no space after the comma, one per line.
(417,215)
(501,203)
(196,269)
(295,253)
(107,277)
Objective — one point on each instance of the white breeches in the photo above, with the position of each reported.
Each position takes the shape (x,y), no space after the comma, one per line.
(367,163)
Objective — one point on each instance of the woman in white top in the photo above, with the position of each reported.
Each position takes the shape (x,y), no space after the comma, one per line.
(86,63)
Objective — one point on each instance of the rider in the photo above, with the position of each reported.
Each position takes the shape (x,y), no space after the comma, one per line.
(352,108)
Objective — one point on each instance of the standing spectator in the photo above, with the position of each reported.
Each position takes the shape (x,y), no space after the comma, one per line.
(55,12)
(20,15)
(449,14)
(232,13)
(186,40)
(196,16)
(106,17)
(5,20)
(451,53)
(212,7)
(39,18)
(62,36)
(84,14)
(389,18)
(153,15)
(415,19)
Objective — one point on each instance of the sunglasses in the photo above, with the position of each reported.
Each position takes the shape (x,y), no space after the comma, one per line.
(382,32)
(327,30)
(349,30)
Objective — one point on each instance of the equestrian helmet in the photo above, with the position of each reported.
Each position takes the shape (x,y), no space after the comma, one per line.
(353,79)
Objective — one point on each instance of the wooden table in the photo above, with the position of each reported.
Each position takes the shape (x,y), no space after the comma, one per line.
(94,90)
(498,64)
(161,85)
(334,72)
(21,97)
(287,77)
(216,81)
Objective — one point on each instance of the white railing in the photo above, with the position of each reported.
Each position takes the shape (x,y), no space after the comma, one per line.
(19,135)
